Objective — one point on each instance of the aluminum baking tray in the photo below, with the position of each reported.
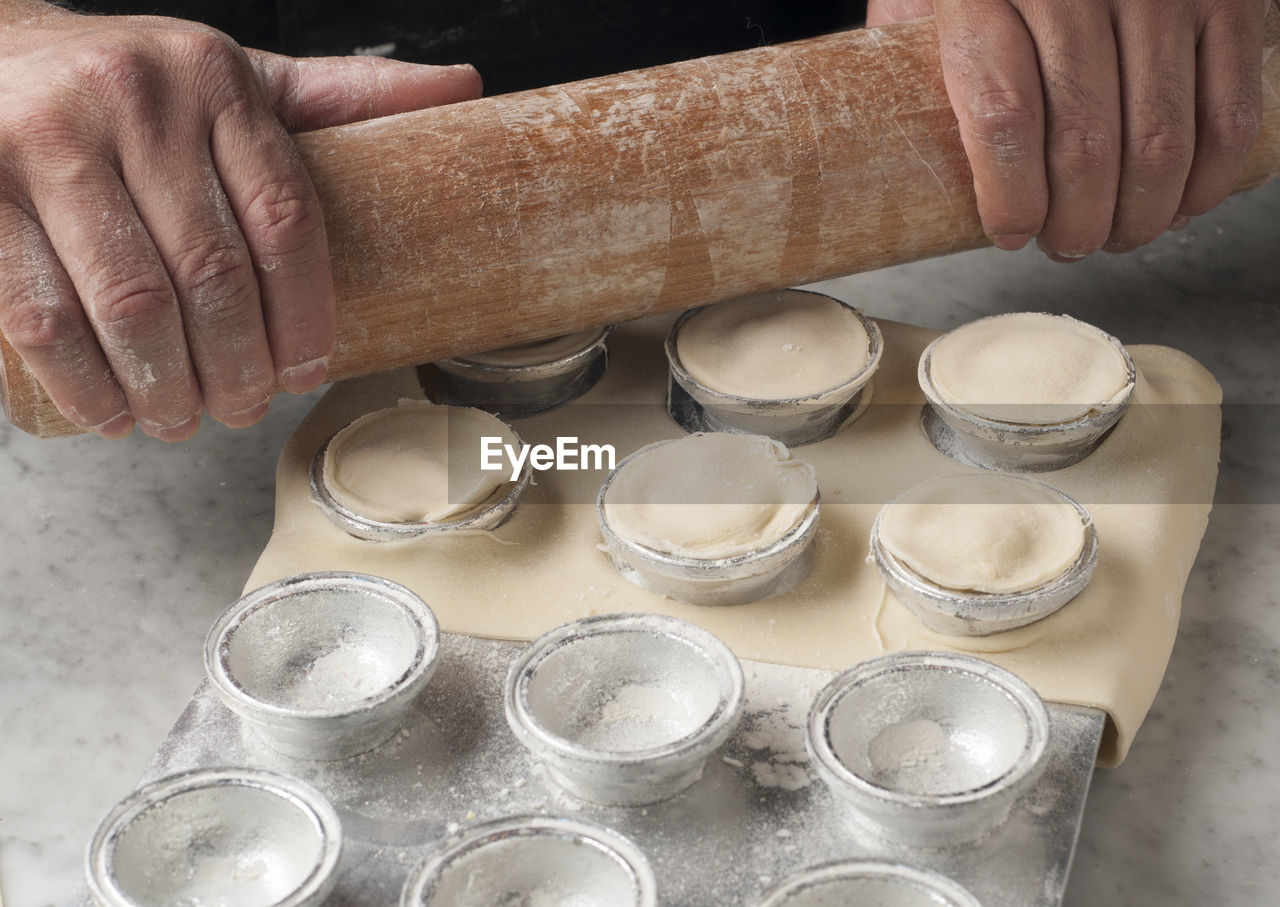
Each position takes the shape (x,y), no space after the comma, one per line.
(758,814)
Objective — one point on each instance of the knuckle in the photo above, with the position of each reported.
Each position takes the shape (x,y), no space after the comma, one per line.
(31,324)
(1003,119)
(1162,148)
(122,78)
(129,304)
(1234,124)
(284,217)
(216,64)
(212,270)
(1083,146)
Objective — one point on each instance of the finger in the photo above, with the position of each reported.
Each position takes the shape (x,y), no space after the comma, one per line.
(1228,102)
(315,92)
(1078,63)
(176,191)
(1156,48)
(43,321)
(993,80)
(280,218)
(125,291)
(887,12)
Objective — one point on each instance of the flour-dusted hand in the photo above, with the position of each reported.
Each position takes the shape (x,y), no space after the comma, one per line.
(1097,123)
(162,250)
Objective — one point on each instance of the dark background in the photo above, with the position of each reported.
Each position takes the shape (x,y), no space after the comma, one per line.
(515,44)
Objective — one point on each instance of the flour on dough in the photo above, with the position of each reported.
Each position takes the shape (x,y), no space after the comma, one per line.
(983,533)
(416,462)
(774,346)
(709,495)
(1028,367)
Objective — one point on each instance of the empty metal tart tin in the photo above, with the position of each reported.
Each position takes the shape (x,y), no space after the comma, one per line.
(792,420)
(488,514)
(737,579)
(927,748)
(624,709)
(217,836)
(956,612)
(854,882)
(521,380)
(991,443)
(535,860)
(323,665)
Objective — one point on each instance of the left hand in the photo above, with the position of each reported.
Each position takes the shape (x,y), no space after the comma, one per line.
(1097,124)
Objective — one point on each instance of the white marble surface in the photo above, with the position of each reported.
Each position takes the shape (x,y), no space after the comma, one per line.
(116,557)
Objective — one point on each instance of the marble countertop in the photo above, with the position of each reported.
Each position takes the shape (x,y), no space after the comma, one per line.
(117,557)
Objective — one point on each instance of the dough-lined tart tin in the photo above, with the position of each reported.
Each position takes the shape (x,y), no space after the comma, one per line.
(488,514)
(1012,446)
(520,383)
(771,569)
(217,836)
(795,421)
(535,860)
(954,612)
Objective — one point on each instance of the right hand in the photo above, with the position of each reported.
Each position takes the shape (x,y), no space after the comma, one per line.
(162,250)
(1097,124)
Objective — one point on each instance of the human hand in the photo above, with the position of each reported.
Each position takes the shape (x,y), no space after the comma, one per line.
(162,250)
(1097,123)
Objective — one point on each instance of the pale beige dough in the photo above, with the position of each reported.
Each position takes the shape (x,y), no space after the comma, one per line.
(415,462)
(1107,648)
(979,532)
(1028,367)
(710,495)
(778,345)
(538,353)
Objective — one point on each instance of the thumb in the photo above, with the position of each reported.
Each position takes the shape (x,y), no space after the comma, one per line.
(315,92)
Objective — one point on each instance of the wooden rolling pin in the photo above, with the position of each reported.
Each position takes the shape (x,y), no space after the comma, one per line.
(514,218)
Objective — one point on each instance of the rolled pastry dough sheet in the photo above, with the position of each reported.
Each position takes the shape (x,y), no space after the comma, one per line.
(1149,487)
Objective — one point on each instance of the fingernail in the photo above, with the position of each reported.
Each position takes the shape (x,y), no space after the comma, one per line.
(171,433)
(1011,242)
(116,427)
(1116,248)
(1179,222)
(1062,258)
(305,377)
(246,417)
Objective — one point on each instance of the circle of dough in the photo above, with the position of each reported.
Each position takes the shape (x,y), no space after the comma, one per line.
(710,496)
(774,346)
(416,462)
(1029,368)
(540,352)
(983,533)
